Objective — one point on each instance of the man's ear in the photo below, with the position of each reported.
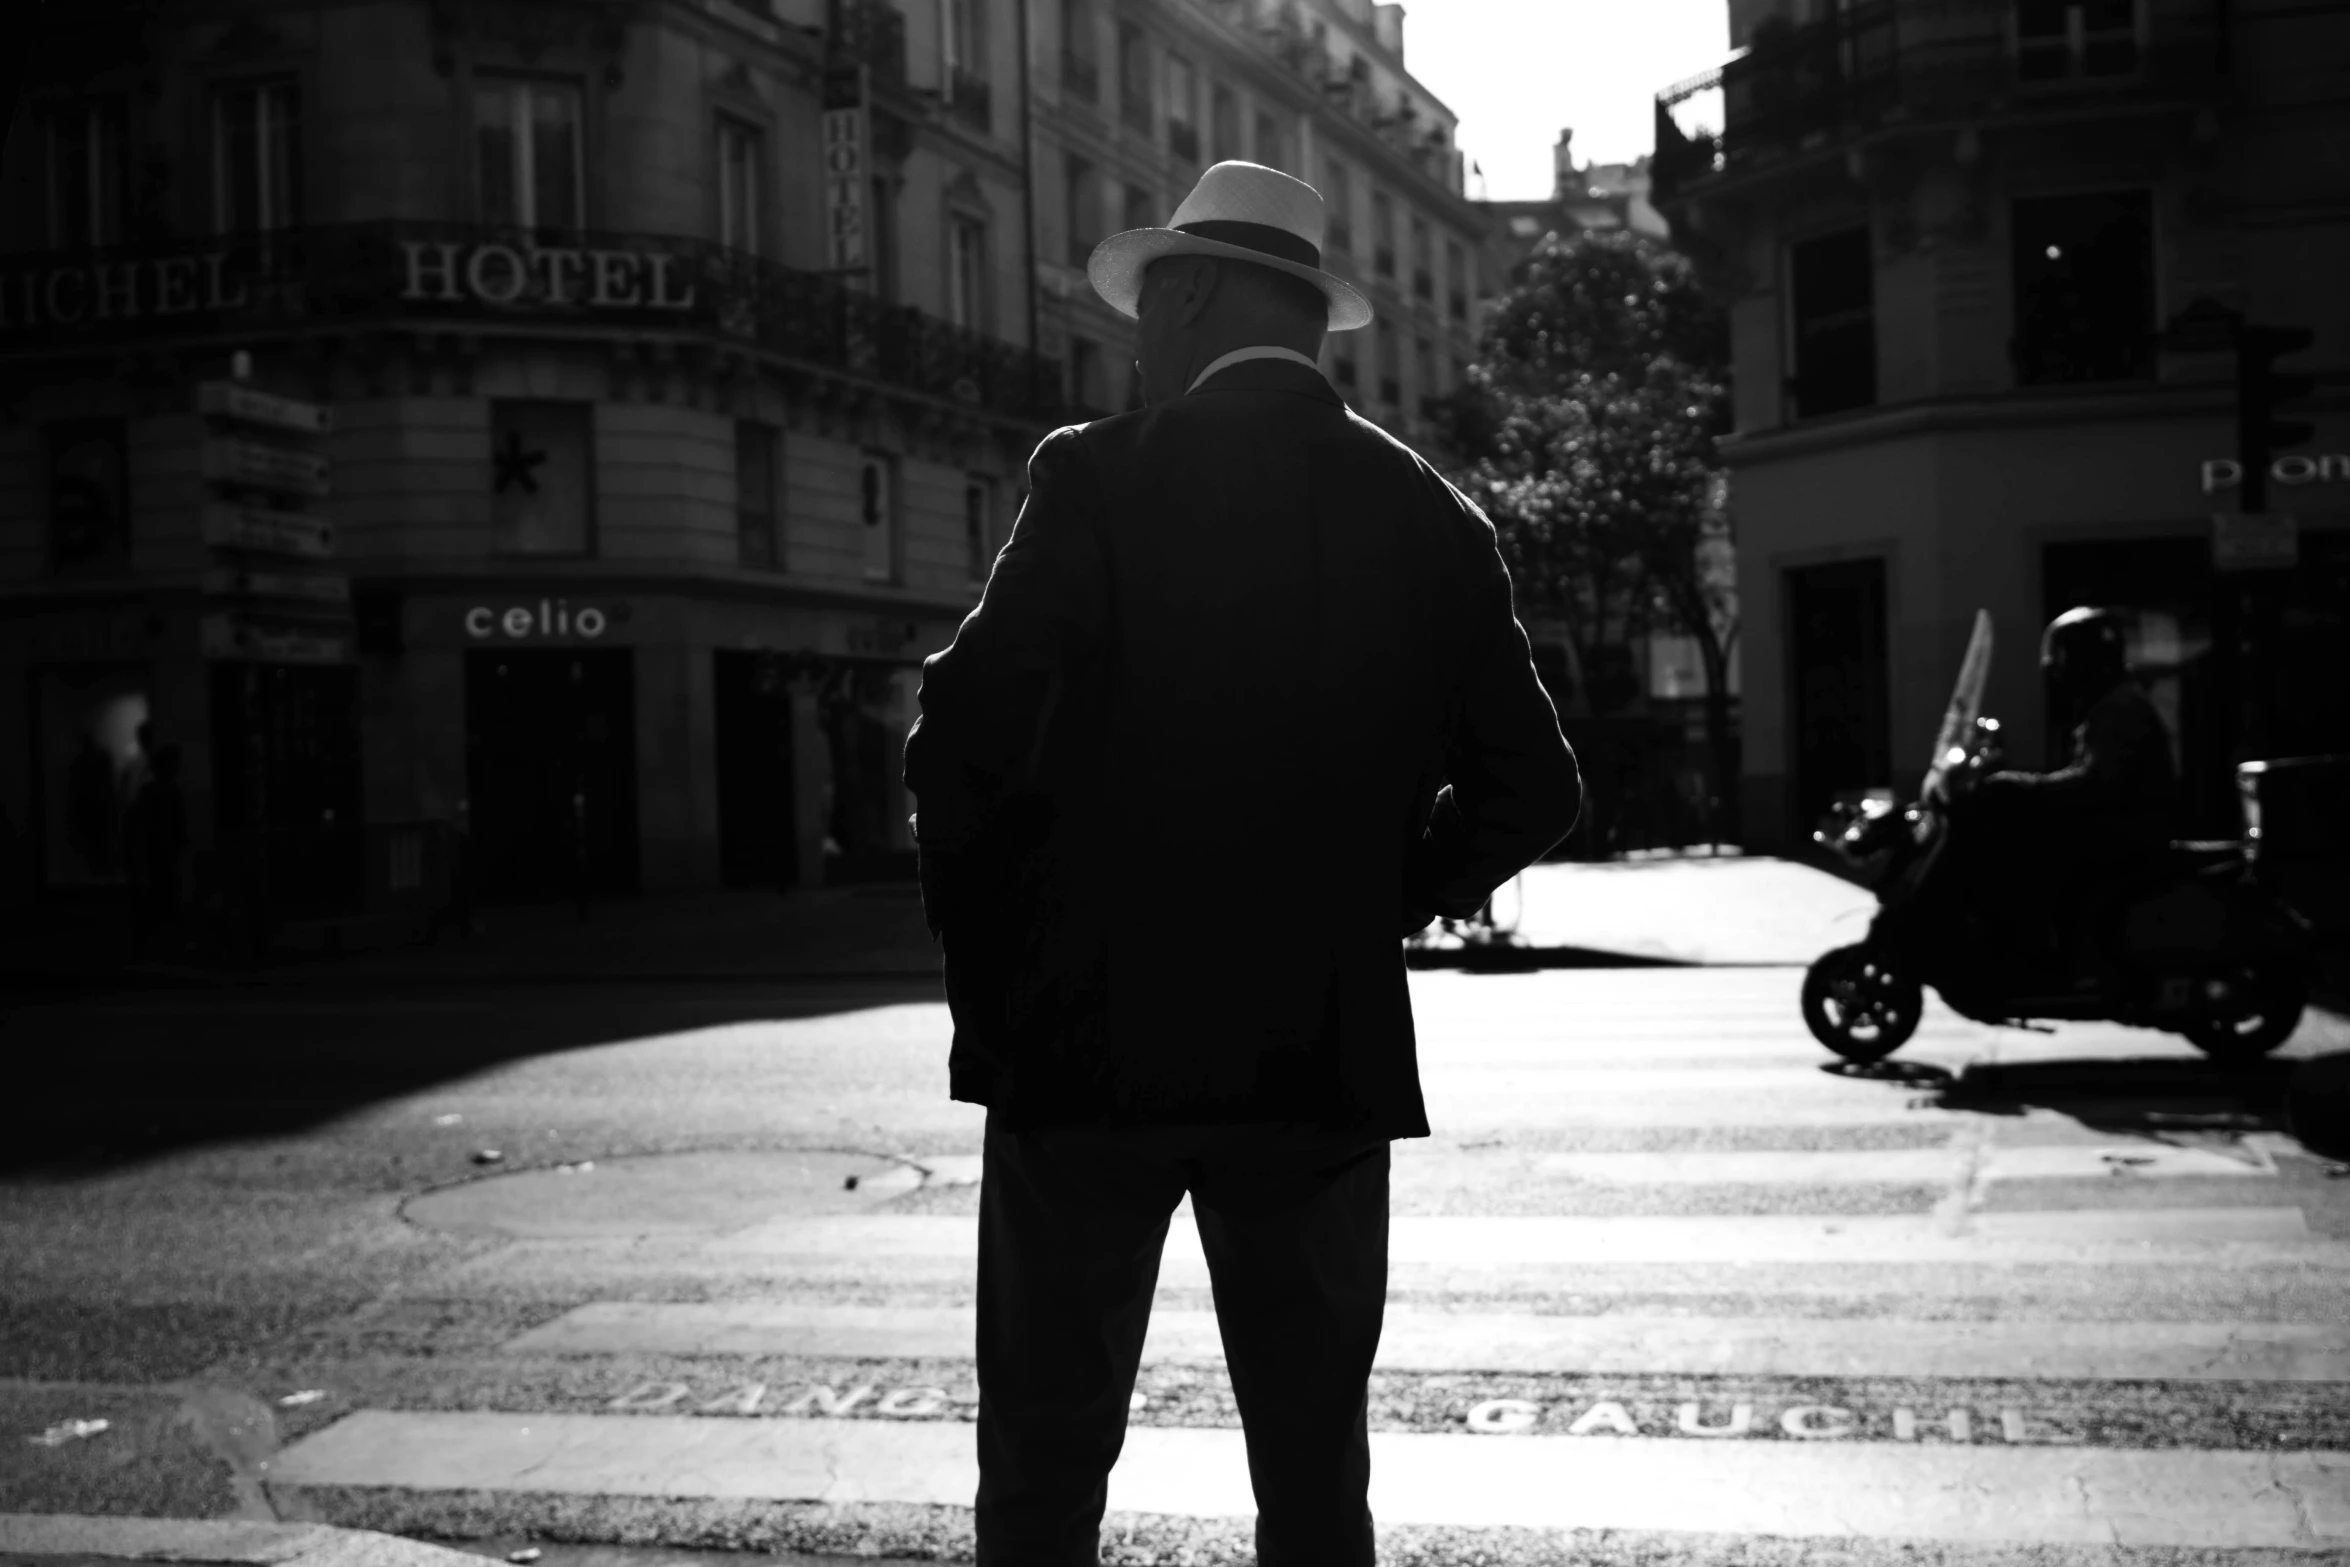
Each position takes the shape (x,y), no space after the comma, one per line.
(1201,274)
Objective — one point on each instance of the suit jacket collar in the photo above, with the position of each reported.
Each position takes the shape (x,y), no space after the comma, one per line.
(1271,375)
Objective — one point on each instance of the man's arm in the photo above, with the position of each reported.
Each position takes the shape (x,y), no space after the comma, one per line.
(988,700)
(1513,789)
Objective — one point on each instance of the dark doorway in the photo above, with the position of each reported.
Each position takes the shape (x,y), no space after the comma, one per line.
(285,770)
(550,748)
(1842,731)
(758,843)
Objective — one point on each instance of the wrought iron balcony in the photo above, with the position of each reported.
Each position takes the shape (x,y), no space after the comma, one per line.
(372,276)
(1878,65)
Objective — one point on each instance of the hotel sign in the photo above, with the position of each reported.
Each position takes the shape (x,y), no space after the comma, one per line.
(2225,473)
(848,163)
(453,272)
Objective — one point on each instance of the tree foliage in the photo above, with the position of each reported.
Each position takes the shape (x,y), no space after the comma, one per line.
(1589,431)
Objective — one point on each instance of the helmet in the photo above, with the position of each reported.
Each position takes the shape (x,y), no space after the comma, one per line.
(2084,647)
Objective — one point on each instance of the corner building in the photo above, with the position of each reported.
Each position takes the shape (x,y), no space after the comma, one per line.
(1956,229)
(648,511)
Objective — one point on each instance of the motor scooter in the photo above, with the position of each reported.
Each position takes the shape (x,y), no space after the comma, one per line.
(2196,945)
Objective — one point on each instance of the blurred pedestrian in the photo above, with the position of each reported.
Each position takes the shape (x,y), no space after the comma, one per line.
(1243,653)
(157,841)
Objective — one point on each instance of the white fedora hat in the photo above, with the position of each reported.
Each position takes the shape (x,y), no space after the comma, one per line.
(1241,211)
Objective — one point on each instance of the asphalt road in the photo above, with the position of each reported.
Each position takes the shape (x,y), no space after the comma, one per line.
(261,1235)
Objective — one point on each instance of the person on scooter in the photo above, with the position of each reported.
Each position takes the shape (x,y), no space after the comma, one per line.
(2090,826)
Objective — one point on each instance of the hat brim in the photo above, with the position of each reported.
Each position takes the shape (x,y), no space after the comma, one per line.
(1116,266)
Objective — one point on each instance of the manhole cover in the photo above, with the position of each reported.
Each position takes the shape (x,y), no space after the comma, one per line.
(663,1194)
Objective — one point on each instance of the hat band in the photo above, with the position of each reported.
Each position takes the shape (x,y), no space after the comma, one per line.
(1276,242)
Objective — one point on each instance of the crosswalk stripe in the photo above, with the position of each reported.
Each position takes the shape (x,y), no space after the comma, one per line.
(1434,1341)
(2212,1237)
(1899,1166)
(1866,1490)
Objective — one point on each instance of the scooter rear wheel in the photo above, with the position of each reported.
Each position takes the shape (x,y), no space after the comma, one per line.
(2245,1011)
(1860,1006)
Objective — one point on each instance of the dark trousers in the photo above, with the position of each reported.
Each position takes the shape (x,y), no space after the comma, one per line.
(1294,1224)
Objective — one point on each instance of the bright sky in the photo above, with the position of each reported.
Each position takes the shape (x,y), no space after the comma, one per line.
(1517,71)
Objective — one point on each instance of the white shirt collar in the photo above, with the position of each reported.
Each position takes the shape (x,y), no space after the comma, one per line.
(1239,355)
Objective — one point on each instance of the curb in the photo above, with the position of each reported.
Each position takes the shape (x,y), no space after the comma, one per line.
(232,1542)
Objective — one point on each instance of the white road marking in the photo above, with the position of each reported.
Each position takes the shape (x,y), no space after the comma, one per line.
(1898,1166)
(1423,1340)
(2168,1497)
(2205,1237)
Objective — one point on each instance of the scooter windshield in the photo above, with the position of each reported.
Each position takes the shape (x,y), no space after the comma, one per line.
(1966,705)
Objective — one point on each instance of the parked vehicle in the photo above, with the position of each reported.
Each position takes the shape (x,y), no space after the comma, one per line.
(2196,945)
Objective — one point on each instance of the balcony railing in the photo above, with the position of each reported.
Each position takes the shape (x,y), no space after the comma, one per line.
(969,99)
(369,274)
(1800,87)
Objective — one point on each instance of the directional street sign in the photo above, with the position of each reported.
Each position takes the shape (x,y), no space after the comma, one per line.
(262,465)
(233,400)
(330,589)
(263,531)
(230,634)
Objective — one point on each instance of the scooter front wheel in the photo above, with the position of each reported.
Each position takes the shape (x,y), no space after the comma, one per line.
(1860,1006)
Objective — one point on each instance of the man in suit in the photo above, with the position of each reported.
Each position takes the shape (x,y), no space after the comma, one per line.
(1245,703)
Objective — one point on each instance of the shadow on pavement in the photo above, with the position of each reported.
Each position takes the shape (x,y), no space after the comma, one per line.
(1510,958)
(2139,1094)
(97,1084)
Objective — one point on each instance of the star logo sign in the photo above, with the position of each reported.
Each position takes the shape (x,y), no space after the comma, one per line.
(514,463)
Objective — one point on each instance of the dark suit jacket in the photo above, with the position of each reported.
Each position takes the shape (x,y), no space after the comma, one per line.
(1244,703)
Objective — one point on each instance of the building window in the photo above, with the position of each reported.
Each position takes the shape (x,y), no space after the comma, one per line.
(256,158)
(89,495)
(964,36)
(1079,211)
(1141,208)
(1182,108)
(1272,141)
(1382,233)
(741,158)
(527,152)
(1343,371)
(2084,288)
(1423,261)
(1456,278)
(1424,368)
(1080,74)
(2060,40)
(755,468)
(1390,372)
(542,492)
(1223,123)
(1835,324)
(967,273)
(877,515)
(1340,189)
(978,524)
(85,143)
(1134,78)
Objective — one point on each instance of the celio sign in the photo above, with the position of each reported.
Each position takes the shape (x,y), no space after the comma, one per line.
(534,623)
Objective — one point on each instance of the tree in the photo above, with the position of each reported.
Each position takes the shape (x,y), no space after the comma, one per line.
(1588,430)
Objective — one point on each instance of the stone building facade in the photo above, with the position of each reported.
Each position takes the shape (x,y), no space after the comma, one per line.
(1958,229)
(664,445)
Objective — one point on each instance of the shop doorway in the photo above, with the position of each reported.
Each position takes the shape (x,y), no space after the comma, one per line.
(758,838)
(550,753)
(1842,719)
(286,782)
